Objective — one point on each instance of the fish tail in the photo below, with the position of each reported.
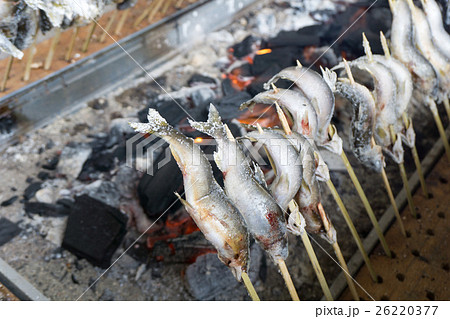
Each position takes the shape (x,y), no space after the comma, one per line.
(330,78)
(213,127)
(156,124)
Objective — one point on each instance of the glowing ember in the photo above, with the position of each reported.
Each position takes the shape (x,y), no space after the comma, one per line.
(198,140)
(263,51)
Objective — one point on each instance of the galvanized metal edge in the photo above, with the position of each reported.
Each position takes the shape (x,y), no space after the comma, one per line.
(18,285)
(72,87)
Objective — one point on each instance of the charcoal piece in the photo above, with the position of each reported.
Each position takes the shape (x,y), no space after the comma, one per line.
(200,79)
(31,190)
(45,209)
(245,47)
(9,201)
(29,180)
(102,162)
(43,176)
(203,97)
(257,85)
(379,19)
(72,159)
(51,163)
(8,230)
(283,57)
(228,106)
(156,193)
(169,109)
(44,22)
(7,124)
(94,231)
(104,191)
(294,39)
(120,130)
(316,30)
(98,104)
(126,4)
(227,87)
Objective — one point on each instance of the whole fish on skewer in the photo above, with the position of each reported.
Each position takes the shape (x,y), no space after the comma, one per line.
(319,90)
(363,123)
(299,106)
(441,38)
(264,218)
(206,202)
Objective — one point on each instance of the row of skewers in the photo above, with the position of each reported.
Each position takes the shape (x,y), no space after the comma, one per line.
(22,21)
(413,71)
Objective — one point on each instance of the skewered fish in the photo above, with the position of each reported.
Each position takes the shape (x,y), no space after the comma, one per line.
(303,113)
(441,38)
(403,49)
(206,202)
(265,219)
(363,123)
(319,91)
(308,198)
(424,42)
(286,162)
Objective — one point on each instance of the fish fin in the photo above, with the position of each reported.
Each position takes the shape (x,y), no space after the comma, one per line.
(156,124)
(271,161)
(250,104)
(185,203)
(259,175)
(330,78)
(213,126)
(315,105)
(217,160)
(268,84)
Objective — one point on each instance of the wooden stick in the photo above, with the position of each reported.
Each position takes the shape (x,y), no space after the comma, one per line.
(283,119)
(352,228)
(293,207)
(51,51)
(392,200)
(340,257)
(179,3)
(108,26)
(363,198)
(89,37)
(248,284)
(166,7)
(155,10)
(337,250)
(440,127)
(447,107)
(404,177)
(32,51)
(142,16)
(288,280)
(73,39)
(8,71)
(122,20)
(407,122)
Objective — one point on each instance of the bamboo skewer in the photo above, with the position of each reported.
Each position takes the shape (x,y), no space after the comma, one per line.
(51,51)
(338,252)
(288,280)
(155,10)
(407,122)
(447,107)
(108,26)
(32,51)
(179,3)
(71,44)
(440,127)
(166,7)
(248,284)
(293,207)
(89,37)
(122,20)
(404,177)
(142,16)
(363,198)
(8,71)
(352,228)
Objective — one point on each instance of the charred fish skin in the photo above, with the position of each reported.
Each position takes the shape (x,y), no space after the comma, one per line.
(363,124)
(435,20)
(424,42)
(303,113)
(288,167)
(206,202)
(264,217)
(403,49)
(316,89)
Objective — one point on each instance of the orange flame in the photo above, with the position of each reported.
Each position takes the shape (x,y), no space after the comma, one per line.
(263,51)
(198,140)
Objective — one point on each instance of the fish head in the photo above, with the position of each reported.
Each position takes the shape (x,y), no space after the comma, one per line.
(374,159)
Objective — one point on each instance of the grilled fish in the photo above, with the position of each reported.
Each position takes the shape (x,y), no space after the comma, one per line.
(441,38)
(318,89)
(206,201)
(265,219)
